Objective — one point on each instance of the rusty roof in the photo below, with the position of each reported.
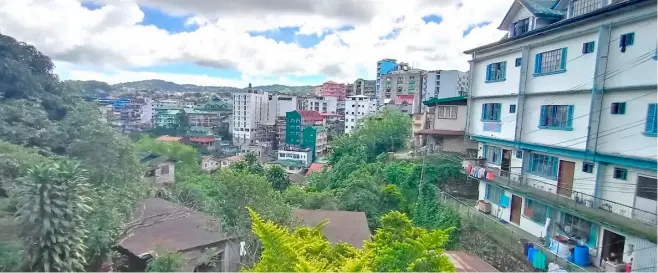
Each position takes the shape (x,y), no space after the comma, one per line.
(172,226)
(468,263)
(344,226)
(308,115)
(315,167)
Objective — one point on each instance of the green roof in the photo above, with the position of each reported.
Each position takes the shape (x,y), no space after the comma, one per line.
(153,159)
(435,101)
(289,162)
(319,128)
(543,8)
(198,131)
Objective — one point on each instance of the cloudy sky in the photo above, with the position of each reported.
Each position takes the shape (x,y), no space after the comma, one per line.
(234,42)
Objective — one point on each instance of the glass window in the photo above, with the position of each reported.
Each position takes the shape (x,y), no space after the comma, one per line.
(535,211)
(512,108)
(646,187)
(618,108)
(447,112)
(491,112)
(588,47)
(588,167)
(496,71)
(493,154)
(577,227)
(551,61)
(556,117)
(544,165)
(493,194)
(650,128)
(620,173)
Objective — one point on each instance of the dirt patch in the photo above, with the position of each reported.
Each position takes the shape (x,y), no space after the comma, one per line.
(478,243)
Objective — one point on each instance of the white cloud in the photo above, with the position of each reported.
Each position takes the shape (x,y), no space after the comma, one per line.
(113,38)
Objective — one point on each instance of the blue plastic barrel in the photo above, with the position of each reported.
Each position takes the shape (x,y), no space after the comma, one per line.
(581,255)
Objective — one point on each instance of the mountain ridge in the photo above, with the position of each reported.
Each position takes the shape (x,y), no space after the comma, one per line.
(99,88)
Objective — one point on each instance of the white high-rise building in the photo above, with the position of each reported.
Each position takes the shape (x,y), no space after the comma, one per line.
(285,104)
(249,110)
(564,110)
(357,108)
(443,84)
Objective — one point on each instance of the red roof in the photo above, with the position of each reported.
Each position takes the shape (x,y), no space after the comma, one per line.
(202,139)
(310,115)
(409,99)
(316,167)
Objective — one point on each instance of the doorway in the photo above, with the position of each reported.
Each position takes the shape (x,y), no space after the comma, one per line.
(506,163)
(517,202)
(612,243)
(565,178)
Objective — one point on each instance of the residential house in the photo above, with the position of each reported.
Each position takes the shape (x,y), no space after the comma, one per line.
(349,227)
(303,155)
(323,105)
(228,161)
(444,127)
(564,110)
(160,168)
(404,103)
(208,163)
(174,227)
(202,118)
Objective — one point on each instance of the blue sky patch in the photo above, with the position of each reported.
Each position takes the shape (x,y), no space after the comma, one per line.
(91,5)
(473,26)
(172,24)
(191,69)
(432,18)
(289,35)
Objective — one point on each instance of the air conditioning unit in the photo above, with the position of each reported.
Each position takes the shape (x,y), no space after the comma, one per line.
(484,206)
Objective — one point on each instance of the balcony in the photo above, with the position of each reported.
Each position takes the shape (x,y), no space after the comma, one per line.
(625,217)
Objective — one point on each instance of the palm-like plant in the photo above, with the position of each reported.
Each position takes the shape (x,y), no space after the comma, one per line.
(52,205)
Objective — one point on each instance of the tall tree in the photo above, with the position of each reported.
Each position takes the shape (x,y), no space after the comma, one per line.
(52,206)
(278,177)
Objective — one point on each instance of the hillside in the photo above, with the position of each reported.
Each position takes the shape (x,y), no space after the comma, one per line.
(102,88)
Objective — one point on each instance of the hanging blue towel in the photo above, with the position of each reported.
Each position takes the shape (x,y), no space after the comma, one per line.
(531,253)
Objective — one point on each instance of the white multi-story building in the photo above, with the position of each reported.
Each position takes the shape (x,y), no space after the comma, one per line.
(285,104)
(564,110)
(249,110)
(443,84)
(356,108)
(148,114)
(323,105)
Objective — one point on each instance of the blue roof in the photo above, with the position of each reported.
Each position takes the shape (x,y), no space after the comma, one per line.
(542,8)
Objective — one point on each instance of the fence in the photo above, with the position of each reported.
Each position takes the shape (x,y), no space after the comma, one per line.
(589,205)
(501,233)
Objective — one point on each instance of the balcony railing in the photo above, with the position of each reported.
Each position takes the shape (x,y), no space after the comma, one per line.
(603,210)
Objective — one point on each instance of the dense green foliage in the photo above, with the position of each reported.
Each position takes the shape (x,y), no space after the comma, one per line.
(167,261)
(52,207)
(42,121)
(396,247)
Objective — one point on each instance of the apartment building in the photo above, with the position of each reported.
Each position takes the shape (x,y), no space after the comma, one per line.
(249,110)
(443,84)
(202,118)
(383,67)
(333,89)
(357,108)
(285,104)
(323,105)
(362,87)
(402,82)
(564,110)
(315,138)
(296,122)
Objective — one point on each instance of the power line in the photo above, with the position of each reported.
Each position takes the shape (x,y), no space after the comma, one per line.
(613,73)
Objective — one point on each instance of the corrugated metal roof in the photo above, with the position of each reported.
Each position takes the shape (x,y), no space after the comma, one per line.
(344,226)
(435,101)
(468,263)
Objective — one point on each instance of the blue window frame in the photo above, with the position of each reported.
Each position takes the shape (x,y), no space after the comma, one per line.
(652,119)
(588,47)
(512,108)
(493,194)
(588,167)
(519,154)
(491,112)
(496,72)
(544,165)
(493,154)
(618,108)
(627,39)
(556,117)
(517,62)
(551,62)
(620,173)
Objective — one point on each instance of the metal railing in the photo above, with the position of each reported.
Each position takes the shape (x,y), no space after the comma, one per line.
(503,234)
(583,203)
